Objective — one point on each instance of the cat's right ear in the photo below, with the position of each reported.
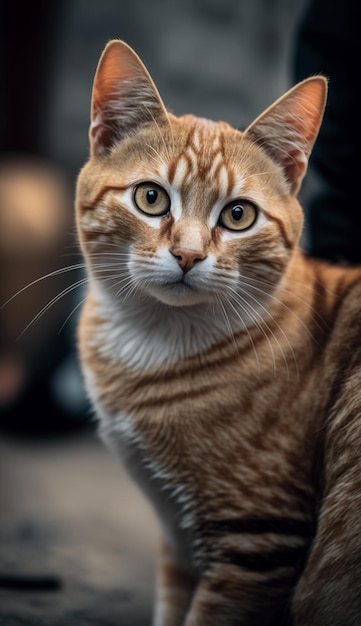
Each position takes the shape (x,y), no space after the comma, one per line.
(124,97)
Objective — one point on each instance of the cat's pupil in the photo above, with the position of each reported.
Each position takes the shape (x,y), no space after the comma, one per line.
(152,196)
(237,213)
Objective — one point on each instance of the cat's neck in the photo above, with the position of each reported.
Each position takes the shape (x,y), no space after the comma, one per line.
(145,333)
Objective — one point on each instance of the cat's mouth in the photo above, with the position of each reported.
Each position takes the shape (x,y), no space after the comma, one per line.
(178,293)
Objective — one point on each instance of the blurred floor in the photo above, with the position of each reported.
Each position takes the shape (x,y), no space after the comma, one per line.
(70,516)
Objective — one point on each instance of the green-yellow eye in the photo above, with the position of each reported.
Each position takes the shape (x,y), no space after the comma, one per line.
(238,215)
(151,199)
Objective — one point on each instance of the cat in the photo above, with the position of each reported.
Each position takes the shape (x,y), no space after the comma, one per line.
(223,364)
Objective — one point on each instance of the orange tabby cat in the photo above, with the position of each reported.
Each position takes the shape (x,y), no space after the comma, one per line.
(223,365)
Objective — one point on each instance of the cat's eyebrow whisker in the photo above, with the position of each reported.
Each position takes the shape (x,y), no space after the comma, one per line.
(245,153)
(166,150)
(157,158)
(172,134)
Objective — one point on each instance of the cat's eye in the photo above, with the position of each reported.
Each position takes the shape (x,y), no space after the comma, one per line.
(238,215)
(151,199)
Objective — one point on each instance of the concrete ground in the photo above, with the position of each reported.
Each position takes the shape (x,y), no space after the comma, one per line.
(72,524)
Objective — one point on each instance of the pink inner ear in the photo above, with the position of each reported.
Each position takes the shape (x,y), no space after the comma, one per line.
(287,129)
(296,166)
(98,129)
(112,70)
(124,96)
(309,107)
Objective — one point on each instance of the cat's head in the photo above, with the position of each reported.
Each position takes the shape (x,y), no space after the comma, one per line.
(184,210)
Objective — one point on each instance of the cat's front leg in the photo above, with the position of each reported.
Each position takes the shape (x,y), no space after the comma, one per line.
(224,597)
(174,588)
(329,592)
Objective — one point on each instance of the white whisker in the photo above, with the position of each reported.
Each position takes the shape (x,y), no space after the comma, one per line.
(245,325)
(274,336)
(56,298)
(57,272)
(247,280)
(257,319)
(160,134)
(228,323)
(77,306)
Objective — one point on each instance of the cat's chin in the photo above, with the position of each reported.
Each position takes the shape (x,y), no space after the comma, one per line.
(178,295)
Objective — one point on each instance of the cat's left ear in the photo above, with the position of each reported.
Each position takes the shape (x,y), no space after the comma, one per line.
(124,97)
(288,129)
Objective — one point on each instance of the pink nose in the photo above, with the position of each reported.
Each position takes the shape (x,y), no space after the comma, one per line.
(187,258)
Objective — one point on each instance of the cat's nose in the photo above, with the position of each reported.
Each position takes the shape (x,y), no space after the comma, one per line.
(187,258)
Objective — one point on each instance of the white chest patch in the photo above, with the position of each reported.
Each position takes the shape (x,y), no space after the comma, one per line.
(151,334)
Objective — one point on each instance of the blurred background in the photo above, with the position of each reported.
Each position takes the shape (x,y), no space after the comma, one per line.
(77,540)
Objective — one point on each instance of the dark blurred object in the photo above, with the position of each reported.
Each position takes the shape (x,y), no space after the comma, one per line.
(30,33)
(36,218)
(329,43)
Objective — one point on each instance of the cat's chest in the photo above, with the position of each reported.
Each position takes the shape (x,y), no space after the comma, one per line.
(199,430)
(148,335)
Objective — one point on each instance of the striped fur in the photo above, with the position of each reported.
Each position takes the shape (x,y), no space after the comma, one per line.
(223,365)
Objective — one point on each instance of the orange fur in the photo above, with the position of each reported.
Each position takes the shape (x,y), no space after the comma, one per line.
(223,364)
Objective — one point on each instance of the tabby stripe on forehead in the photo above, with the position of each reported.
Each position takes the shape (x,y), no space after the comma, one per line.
(179,168)
(98,198)
(257,526)
(285,556)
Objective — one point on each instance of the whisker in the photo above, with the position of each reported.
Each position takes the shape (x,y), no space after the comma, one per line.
(159,132)
(228,323)
(245,327)
(258,320)
(57,272)
(56,298)
(275,337)
(129,289)
(278,301)
(77,306)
